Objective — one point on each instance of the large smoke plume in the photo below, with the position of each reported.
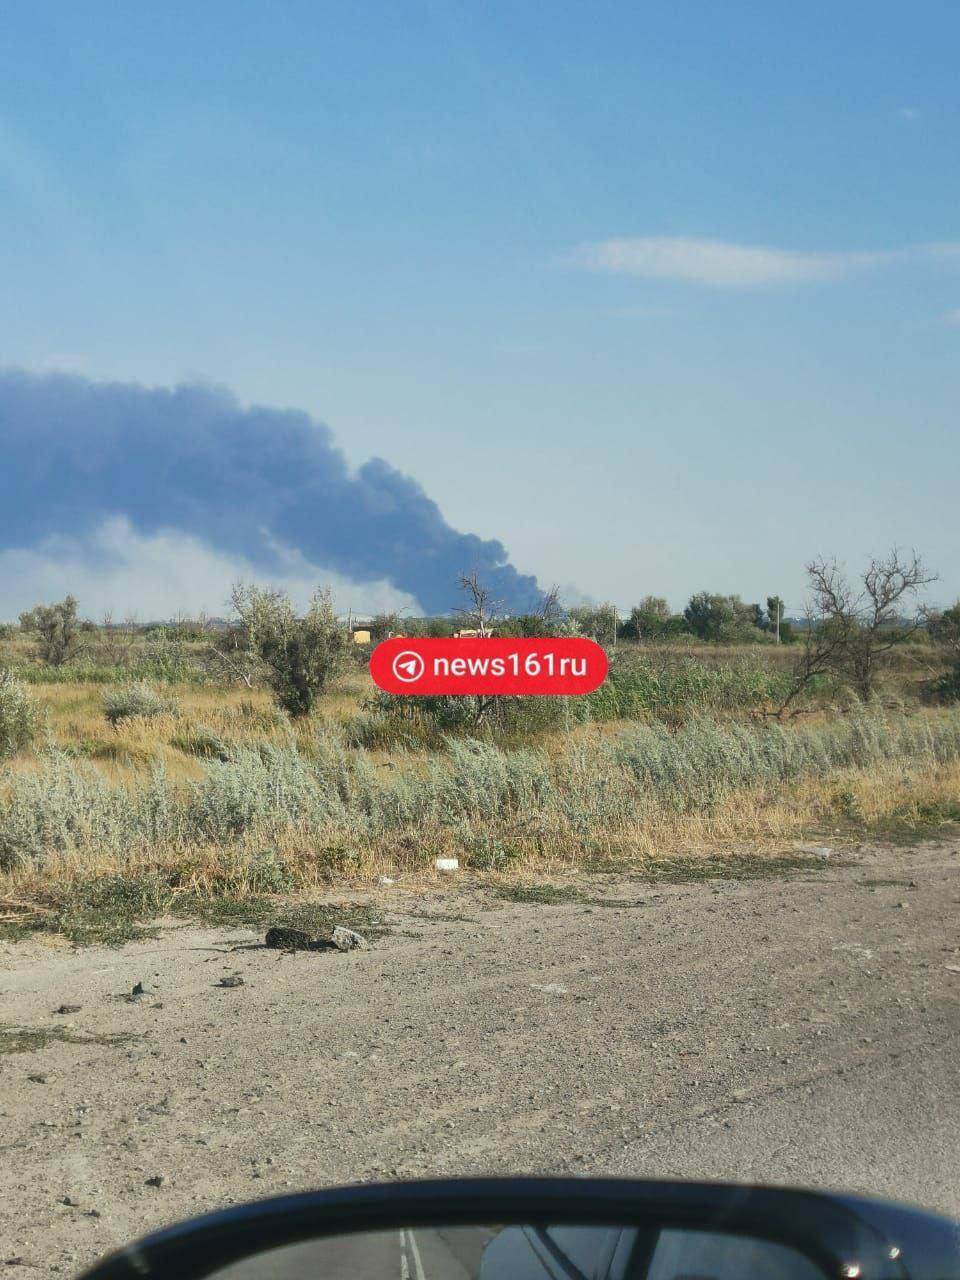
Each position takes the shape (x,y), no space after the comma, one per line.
(253,482)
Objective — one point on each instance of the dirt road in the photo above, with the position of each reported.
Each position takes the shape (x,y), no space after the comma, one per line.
(799,1030)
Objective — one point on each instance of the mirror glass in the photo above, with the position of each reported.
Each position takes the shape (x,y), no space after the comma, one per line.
(529,1253)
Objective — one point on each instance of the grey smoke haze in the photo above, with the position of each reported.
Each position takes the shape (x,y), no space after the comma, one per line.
(258,483)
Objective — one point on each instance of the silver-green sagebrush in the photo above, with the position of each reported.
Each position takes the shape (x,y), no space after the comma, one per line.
(322,790)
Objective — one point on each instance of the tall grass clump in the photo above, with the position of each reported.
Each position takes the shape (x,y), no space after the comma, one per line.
(201,740)
(335,803)
(657,685)
(21,719)
(161,661)
(135,699)
(83,671)
(693,769)
(266,789)
(166,661)
(479,782)
(671,686)
(69,806)
(388,720)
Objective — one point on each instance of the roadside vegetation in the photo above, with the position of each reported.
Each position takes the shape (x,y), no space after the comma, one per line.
(200,768)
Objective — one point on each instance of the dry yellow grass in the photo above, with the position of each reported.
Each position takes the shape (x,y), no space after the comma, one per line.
(847,805)
(123,752)
(889,802)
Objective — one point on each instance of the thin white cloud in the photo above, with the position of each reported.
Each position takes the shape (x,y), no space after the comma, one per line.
(58,362)
(721,264)
(909,113)
(951,317)
(118,571)
(944,253)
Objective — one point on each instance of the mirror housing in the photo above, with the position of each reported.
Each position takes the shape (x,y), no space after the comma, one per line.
(847,1237)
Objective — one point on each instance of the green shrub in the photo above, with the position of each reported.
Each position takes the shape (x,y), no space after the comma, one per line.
(488,853)
(66,806)
(848,804)
(664,686)
(669,686)
(58,630)
(167,661)
(135,699)
(300,654)
(410,720)
(445,713)
(260,872)
(945,688)
(82,748)
(21,719)
(338,858)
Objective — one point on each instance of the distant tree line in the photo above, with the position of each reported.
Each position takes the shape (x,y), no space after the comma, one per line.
(848,628)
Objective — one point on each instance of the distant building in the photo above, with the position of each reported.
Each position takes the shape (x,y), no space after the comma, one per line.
(361,636)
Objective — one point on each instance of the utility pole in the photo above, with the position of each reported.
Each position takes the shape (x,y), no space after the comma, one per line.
(779,607)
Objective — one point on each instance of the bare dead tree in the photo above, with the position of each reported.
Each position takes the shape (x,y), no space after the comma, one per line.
(481,610)
(479,614)
(232,657)
(551,609)
(887,584)
(850,629)
(821,653)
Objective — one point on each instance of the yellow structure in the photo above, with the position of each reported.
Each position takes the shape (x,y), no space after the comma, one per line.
(361,637)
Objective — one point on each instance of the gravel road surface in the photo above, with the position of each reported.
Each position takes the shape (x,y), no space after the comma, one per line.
(802,1029)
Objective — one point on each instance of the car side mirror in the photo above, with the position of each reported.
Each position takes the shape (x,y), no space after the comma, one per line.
(550,1229)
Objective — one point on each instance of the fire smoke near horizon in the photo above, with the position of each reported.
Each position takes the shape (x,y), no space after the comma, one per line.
(266,487)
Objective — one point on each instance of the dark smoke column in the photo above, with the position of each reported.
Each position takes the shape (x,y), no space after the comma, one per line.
(243,480)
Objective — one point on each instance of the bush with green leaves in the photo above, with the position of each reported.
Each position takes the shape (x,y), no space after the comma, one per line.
(167,660)
(135,699)
(944,631)
(58,630)
(652,619)
(944,687)
(300,654)
(943,628)
(667,686)
(723,618)
(660,685)
(21,719)
(387,720)
(489,853)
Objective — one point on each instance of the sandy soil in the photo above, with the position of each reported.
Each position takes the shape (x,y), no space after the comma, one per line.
(801,1030)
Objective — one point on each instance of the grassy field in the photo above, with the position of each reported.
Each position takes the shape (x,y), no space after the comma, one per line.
(215,797)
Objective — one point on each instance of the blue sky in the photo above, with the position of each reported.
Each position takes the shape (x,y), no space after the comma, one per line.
(663,297)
